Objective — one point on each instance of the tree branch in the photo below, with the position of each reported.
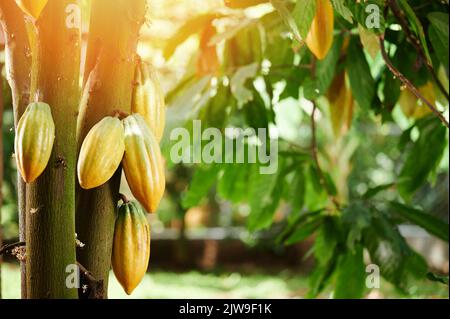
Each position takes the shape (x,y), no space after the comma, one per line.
(400,16)
(96,288)
(7,248)
(408,83)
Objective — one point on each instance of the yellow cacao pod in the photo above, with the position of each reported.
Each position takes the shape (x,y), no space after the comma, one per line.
(341,105)
(320,37)
(131,246)
(148,99)
(101,153)
(34,141)
(32,7)
(143,163)
(414,108)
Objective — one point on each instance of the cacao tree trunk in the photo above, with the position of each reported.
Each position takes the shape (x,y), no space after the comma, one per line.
(50,201)
(1,175)
(111,58)
(18,65)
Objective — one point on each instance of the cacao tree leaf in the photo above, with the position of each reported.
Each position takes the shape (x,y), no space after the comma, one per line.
(304,13)
(281,7)
(341,8)
(368,14)
(438,34)
(191,27)
(350,275)
(369,41)
(428,222)
(388,250)
(422,159)
(372,192)
(416,26)
(438,278)
(303,231)
(361,80)
(200,185)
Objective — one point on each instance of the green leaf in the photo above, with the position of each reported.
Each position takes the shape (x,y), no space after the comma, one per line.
(361,80)
(372,192)
(428,222)
(416,26)
(303,231)
(297,190)
(438,34)
(388,249)
(341,8)
(191,27)
(326,68)
(264,195)
(437,278)
(326,241)
(281,7)
(350,275)
(422,159)
(304,13)
(201,183)
(356,217)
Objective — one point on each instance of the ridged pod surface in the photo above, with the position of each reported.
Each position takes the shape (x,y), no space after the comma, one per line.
(148,98)
(341,105)
(32,7)
(34,141)
(412,107)
(143,163)
(320,37)
(101,153)
(131,246)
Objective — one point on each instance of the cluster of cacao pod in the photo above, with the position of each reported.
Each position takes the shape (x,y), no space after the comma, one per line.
(34,140)
(341,103)
(133,141)
(414,108)
(32,8)
(131,246)
(320,36)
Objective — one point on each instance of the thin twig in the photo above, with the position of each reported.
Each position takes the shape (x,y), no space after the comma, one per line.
(97,290)
(315,155)
(400,16)
(408,83)
(7,248)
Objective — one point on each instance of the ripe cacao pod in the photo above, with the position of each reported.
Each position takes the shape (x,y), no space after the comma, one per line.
(34,141)
(320,37)
(32,7)
(148,98)
(143,163)
(131,246)
(101,153)
(341,105)
(414,108)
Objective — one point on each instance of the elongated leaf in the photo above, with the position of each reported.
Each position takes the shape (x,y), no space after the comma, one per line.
(202,181)
(416,26)
(304,13)
(361,80)
(438,33)
(350,275)
(422,159)
(341,8)
(428,222)
(281,7)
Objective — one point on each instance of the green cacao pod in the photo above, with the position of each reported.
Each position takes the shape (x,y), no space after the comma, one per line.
(32,7)
(143,163)
(148,98)
(101,153)
(34,141)
(131,246)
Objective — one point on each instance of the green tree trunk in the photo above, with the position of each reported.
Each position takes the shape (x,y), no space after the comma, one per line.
(18,65)
(51,199)
(111,56)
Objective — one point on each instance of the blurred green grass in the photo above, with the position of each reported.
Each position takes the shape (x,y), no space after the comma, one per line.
(194,284)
